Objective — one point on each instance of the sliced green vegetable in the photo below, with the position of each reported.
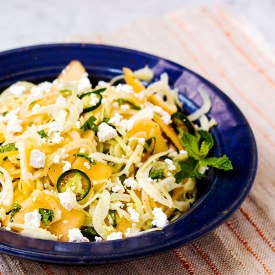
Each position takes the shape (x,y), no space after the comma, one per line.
(89,124)
(14,209)
(77,180)
(181,121)
(42,134)
(47,215)
(121,101)
(4,113)
(112,214)
(86,156)
(89,232)
(156,174)
(8,148)
(149,145)
(66,92)
(198,147)
(88,98)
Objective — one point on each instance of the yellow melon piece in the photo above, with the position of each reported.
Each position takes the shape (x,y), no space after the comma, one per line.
(151,129)
(98,171)
(70,219)
(169,131)
(73,72)
(132,80)
(88,134)
(122,224)
(55,171)
(177,193)
(170,109)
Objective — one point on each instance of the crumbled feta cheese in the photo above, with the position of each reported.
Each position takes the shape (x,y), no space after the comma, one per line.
(98,239)
(82,150)
(103,84)
(87,165)
(75,235)
(32,218)
(60,101)
(55,126)
(141,141)
(37,159)
(116,205)
(14,125)
(169,174)
(67,166)
(78,124)
(115,105)
(117,186)
(8,228)
(57,138)
(202,169)
(94,99)
(166,118)
(131,182)
(172,153)
(124,88)
(160,218)
(114,236)
(128,232)
(134,214)
(115,119)
(171,165)
(68,199)
(17,89)
(84,83)
(106,132)
(56,159)
(125,107)
(36,108)
(42,87)
(183,152)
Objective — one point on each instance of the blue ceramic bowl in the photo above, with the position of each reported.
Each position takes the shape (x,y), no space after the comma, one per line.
(219,197)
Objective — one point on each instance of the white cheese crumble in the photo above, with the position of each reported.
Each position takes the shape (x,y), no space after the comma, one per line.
(32,218)
(17,89)
(77,124)
(103,84)
(42,87)
(75,235)
(183,152)
(115,119)
(84,83)
(14,125)
(171,165)
(160,218)
(124,88)
(94,99)
(106,132)
(125,107)
(114,236)
(134,214)
(87,165)
(56,159)
(202,169)
(98,239)
(61,100)
(67,199)
(37,159)
(166,118)
(131,182)
(57,138)
(117,186)
(55,126)
(67,166)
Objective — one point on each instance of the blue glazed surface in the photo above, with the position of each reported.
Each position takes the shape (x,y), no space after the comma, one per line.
(220,197)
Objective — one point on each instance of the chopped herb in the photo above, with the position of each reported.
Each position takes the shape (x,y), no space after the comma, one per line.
(112,214)
(47,215)
(156,174)
(198,147)
(8,147)
(89,124)
(42,134)
(89,232)
(4,113)
(121,101)
(106,119)
(14,209)
(86,156)
(148,144)
(66,92)
(122,178)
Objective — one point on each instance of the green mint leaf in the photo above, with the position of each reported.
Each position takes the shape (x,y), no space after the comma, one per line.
(89,124)
(207,142)
(156,174)
(221,163)
(14,209)
(42,134)
(191,144)
(47,215)
(89,232)
(8,147)
(86,156)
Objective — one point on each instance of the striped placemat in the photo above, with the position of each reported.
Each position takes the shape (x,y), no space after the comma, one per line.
(224,50)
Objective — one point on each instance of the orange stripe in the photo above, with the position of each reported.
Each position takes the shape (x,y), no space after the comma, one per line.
(247,246)
(228,35)
(224,16)
(184,262)
(47,269)
(206,259)
(258,229)
(223,75)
